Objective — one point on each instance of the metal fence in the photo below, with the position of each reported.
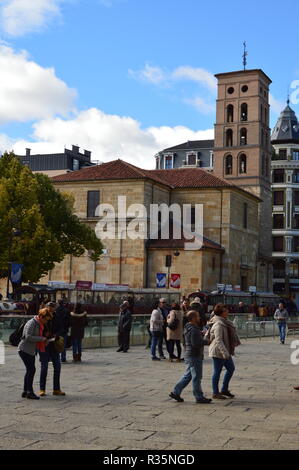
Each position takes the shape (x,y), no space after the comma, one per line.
(101,331)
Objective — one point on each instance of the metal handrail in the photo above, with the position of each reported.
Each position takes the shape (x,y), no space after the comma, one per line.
(262,325)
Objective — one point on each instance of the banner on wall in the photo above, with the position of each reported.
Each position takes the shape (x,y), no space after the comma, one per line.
(161,280)
(16,273)
(175,281)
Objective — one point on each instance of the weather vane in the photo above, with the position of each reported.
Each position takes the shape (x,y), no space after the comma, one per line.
(245,54)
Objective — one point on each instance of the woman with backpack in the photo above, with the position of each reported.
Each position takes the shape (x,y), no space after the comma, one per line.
(223,340)
(78,324)
(31,342)
(175,331)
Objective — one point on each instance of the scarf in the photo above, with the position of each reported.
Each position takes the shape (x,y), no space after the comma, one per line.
(40,346)
(233,338)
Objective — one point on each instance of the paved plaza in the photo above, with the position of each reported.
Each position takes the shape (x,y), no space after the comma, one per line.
(120,401)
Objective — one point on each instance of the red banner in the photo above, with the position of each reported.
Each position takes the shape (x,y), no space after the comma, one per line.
(83,285)
(175,281)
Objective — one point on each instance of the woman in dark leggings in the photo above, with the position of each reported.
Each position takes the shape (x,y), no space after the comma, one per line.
(175,331)
(32,341)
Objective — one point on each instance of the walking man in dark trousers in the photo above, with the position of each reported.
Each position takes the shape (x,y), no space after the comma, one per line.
(124,327)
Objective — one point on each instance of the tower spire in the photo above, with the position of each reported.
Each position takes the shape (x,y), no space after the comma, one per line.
(245,54)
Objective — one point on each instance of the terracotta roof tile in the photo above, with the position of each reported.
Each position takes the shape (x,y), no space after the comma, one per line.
(175,178)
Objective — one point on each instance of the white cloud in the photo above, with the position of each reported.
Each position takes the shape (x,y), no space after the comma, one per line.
(150,74)
(29,91)
(19,17)
(108,137)
(201,105)
(276,105)
(198,75)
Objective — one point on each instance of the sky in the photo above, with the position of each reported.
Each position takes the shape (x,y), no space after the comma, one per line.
(128,78)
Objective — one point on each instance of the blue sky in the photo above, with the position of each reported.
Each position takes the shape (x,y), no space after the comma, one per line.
(126,78)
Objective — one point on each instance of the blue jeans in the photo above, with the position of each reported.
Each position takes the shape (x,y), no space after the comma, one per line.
(157,339)
(29,362)
(218,366)
(77,346)
(194,372)
(45,358)
(282,330)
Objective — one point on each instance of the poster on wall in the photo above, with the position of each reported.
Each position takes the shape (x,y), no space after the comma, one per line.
(175,281)
(161,280)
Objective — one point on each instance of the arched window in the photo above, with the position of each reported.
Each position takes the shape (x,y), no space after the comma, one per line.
(228,165)
(261,113)
(230,113)
(244,112)
(243,136)
(266,115)
(262,137)
(242,164)
(229,138)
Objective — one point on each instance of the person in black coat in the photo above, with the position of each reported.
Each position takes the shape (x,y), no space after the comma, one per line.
(78,324)
(53,329)
(63,315)
(124,327)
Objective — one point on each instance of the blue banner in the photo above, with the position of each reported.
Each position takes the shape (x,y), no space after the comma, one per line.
(161,280)
(16,273)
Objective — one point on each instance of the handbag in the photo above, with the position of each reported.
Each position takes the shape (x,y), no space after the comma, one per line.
(59,344)
(174,324)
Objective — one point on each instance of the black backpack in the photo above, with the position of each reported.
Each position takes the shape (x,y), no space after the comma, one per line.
(17,335)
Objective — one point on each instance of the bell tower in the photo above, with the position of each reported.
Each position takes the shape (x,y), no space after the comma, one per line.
(242,152)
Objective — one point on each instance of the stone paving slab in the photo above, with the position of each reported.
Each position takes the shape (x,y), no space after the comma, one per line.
(120,401)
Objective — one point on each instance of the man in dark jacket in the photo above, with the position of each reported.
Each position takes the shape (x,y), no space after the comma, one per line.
(124,327)
(62,315)
(53,329)
(194,346)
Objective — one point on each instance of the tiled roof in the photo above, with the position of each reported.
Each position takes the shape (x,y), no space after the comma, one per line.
(121,170)
(180,243)
(192,144)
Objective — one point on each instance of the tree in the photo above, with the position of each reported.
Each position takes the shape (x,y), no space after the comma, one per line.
(43,220)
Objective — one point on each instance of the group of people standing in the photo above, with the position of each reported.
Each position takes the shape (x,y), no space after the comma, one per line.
(188,324)
(47,335)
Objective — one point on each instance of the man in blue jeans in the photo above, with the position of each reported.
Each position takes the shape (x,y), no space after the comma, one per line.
(193,358)
(281,315)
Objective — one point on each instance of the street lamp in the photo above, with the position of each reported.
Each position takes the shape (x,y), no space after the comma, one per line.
(13,233)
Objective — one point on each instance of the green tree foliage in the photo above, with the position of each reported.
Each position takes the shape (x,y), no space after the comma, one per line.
(37,224)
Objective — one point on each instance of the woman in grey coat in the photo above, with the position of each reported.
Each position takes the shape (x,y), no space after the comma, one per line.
(32,341)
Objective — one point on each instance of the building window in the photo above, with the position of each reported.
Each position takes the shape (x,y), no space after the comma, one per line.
(93,200)
(192,216)
(293,270)
(282,154)
(279,270)
(76,164)
(296,198)
(277,243)
(278,175)
(266,115)
(243,136)
(168,162)
(230,90)
(242,164)
(296,243)
(296,222)
(157,163)
(230,113)
(228,165)
(278,198)
(278,221)
(261,117)
(244,88)
(191,158)
(295,155)
(245,215)
(229,138)
(262,137)
(296,176)
(244,112)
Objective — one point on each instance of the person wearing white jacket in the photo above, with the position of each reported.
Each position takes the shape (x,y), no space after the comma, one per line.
(223,340)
